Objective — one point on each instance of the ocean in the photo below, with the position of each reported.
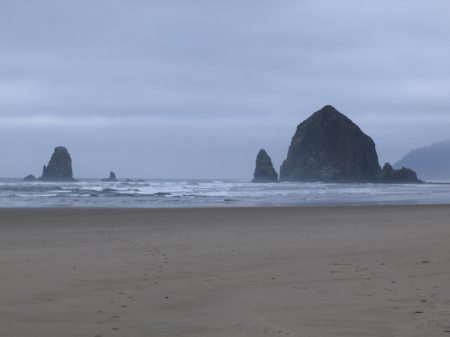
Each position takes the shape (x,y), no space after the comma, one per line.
(152,193)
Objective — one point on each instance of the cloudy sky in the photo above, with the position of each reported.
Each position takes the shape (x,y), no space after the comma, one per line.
(193,89)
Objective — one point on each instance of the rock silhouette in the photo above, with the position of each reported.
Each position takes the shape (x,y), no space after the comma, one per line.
(264,171)
(403,175)
(430,162)
(59,167)
(30,177)
(329,147)
(112,177)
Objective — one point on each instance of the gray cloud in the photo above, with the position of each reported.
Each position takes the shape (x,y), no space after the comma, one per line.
(180,79)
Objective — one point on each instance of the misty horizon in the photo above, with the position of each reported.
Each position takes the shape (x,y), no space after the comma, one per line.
(177,90)
(277,166)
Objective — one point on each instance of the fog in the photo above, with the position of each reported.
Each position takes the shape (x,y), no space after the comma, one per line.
(179,89)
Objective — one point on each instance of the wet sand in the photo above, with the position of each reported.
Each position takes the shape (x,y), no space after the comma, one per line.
(311,271)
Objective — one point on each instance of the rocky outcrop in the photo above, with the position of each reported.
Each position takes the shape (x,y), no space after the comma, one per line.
(59,167)
(112,177)
(30,177)
(329,147)
(401,176)
(264,171)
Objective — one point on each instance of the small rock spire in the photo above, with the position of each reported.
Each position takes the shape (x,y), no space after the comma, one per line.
(264,171)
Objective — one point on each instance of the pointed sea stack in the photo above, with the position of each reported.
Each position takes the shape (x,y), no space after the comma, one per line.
(112,177)
(329,147)
(59,167)
(264,171)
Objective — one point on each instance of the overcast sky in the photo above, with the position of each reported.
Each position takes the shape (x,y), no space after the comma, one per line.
(193,89)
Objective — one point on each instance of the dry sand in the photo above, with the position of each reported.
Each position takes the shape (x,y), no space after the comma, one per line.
(312,271)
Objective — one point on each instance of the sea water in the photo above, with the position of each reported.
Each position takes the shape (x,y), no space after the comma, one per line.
(211,193)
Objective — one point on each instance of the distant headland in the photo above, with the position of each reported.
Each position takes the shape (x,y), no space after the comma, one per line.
(431,162)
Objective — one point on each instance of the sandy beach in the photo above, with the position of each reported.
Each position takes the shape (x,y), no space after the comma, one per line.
(307,271)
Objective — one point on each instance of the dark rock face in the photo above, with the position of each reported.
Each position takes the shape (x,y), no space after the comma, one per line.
(328,146)
(30,177)
(264,171)
(112,177)
(401,176)
(59,167)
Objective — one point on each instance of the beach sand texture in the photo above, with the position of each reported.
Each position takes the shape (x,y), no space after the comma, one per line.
(311,271)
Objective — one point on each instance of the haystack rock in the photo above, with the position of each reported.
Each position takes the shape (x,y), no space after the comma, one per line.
(59,167)
(112,177)
(400,176)
(264,171)
(329,147)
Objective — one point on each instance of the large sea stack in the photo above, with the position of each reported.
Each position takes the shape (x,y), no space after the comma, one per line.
(329,147)
(264,171)
(59,167)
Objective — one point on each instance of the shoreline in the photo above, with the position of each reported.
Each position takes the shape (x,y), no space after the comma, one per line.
(232,272)
(215,207)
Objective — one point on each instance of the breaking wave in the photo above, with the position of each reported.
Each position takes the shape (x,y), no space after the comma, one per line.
(204,193)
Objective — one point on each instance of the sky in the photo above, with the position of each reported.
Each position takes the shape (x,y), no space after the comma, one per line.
(193,89)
